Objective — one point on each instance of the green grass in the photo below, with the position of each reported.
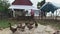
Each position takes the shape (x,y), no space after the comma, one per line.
(4,23)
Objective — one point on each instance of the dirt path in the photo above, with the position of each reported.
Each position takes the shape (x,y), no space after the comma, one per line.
(40,30)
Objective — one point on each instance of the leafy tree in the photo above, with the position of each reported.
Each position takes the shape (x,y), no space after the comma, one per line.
(4,6)
(40,4)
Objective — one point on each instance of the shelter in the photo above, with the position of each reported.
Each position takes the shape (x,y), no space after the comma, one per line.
(18,6)
(47,7)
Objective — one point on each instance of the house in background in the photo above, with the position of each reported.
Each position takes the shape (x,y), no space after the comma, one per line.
(19,6)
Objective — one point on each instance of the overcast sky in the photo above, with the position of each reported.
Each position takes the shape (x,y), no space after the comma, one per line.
(56,2)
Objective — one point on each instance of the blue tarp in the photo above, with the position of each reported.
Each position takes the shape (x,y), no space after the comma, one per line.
(48,7)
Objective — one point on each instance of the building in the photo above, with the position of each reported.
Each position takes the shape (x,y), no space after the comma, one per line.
(19,6)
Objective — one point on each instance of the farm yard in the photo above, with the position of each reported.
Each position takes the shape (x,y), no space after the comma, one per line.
(21,17)
(44,27)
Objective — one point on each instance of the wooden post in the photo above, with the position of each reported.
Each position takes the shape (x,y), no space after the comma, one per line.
(39,14)
(13,12)
(56,15)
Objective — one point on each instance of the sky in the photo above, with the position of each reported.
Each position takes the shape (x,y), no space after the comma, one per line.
(55,2)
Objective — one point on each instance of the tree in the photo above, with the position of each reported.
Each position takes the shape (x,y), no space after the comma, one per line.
(4,6)
(40,4)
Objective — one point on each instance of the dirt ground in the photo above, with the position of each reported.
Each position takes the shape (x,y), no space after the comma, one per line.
(41,29)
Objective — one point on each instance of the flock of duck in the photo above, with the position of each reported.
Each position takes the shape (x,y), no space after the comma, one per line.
(29,25)
(22,26)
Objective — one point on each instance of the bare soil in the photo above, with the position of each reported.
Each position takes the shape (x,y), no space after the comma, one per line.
(41,29)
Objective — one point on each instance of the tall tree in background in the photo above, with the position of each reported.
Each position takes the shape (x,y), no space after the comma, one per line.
(40,4)
(4,6)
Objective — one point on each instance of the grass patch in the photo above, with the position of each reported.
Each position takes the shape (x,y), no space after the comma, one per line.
(4,23)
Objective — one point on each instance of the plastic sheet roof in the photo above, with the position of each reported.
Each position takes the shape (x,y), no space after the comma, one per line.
(48,7)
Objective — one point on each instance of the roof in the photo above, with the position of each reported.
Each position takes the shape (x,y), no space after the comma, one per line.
(21,7)
(49,7)
(22,2)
